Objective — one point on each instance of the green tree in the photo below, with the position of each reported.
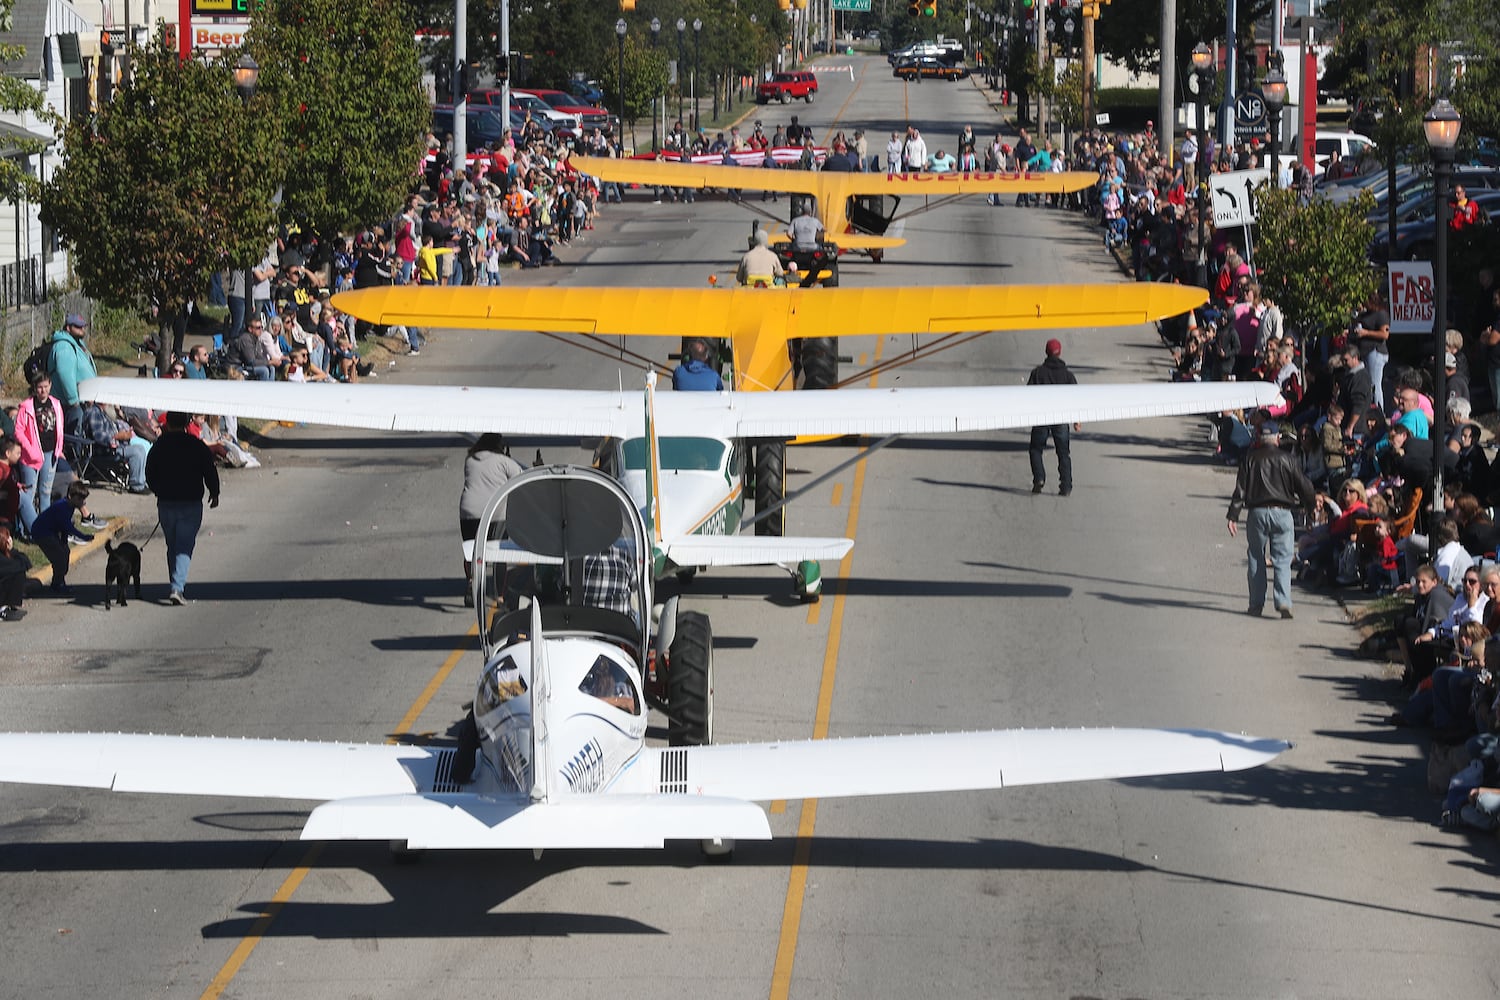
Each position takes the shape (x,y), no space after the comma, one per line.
(1315,258)
(17,97)
(1130,30)
(347,109)
(1066,96)
(645,78)
(172,181)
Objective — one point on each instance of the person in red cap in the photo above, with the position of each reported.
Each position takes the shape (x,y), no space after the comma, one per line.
(1052,371)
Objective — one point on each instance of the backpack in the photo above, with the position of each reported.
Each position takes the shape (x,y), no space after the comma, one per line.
(37,361)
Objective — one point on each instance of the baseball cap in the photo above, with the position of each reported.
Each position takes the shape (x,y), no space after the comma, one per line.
(75,319)
(1054,348)
(1270,429)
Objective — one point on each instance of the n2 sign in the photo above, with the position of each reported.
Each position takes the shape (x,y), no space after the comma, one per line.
(1409,286)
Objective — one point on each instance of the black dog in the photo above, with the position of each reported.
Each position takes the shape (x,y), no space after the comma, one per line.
(124,564)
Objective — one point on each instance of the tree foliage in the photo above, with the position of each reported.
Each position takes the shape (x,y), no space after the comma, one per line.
(1314,258)
(1130,30)
(172,181)
(567,37)
(17,97)
(343,88)
(645,78)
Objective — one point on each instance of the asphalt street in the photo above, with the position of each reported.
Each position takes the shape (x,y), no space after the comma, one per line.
(327,604)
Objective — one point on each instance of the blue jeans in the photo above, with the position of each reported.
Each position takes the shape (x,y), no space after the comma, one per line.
(236,316)
(407,267)
(135,461)
(1060,440)
(30,479)
(1375,361)
(1269,527)
(180,522)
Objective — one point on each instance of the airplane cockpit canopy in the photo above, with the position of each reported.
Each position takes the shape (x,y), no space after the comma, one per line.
(572,539)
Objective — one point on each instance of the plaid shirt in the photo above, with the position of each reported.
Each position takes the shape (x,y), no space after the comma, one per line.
(609,581)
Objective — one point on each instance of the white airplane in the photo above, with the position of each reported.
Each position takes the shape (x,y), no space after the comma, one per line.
(555,746)
(695,502)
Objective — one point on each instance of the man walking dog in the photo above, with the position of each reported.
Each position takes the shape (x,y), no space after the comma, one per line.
(178,470)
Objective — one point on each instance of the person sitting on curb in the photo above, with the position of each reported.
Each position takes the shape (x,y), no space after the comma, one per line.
(53,530)
(14,567)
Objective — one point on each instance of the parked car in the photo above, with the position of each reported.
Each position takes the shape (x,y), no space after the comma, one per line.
(483,125)
(587,91)
(1416,197)
(784,87)
(587,115)
(929,67)
(1414,236)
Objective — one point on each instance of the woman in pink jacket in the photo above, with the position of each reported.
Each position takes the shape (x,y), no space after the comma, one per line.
(39,426)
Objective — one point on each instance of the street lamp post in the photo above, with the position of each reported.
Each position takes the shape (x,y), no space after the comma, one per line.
(620,28)
(655,36)
(1273,87)
(681,63)
(1440,126)
(1203,60)
(246,75)
(697,52)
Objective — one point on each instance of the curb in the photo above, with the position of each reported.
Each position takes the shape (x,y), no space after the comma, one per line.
(77,553)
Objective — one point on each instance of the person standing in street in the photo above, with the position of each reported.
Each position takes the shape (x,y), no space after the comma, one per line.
(487,468)
(178,470)
(1052,371)
(1270,483)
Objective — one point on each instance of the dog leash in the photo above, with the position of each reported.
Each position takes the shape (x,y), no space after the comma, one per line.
(151,536)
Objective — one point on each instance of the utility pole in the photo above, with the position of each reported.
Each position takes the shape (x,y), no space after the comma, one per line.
(1090,13)
(1166,100)
(504,61)
(460,85)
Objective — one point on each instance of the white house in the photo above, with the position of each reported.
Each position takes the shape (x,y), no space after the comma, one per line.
(60,61)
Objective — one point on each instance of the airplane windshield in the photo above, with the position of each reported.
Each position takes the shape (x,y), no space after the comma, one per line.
(607,681)
(677,453)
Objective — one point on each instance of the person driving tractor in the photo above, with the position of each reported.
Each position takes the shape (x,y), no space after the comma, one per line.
(759,267)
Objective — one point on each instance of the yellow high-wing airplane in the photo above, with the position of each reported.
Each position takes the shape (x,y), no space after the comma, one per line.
(761,323)
(836,191)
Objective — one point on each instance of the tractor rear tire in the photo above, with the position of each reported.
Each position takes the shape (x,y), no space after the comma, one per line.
(820,362)
(690,682)
(770,487)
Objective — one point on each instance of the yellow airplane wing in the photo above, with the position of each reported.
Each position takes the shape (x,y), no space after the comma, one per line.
(759,321)
(828,184)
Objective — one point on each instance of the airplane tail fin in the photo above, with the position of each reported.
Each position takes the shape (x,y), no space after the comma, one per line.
(653,465)
(541,703)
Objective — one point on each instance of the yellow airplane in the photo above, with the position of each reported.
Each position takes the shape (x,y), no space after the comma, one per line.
(778,338)
(845,200)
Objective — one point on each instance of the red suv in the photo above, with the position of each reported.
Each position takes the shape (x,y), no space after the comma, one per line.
(785,86)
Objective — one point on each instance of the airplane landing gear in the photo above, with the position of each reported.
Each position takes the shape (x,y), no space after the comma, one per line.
(770,487)
(808,581)
(718,849)
(690,681)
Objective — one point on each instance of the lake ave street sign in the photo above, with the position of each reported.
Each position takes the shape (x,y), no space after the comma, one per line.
(1250,119)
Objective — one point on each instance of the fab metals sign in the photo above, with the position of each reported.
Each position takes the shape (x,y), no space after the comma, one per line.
(1413,305)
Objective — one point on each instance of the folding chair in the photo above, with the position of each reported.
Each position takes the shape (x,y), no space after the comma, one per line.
(95,464)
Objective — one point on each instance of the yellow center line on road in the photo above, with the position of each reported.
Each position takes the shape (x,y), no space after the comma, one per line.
(289,885)
(838,495)
(796,889)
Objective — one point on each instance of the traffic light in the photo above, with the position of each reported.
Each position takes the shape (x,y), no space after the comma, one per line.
(914,8)
(929,8)
(1028,4)
(627,5)
(502,68)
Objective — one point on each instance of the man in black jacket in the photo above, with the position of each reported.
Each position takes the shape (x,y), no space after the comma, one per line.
(1270,483)
(178,470)
(1052,371)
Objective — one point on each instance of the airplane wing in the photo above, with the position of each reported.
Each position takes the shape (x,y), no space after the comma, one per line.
(941,762)
(753,550)
(823,312)
(824,184)
(398,793)
(595,413)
